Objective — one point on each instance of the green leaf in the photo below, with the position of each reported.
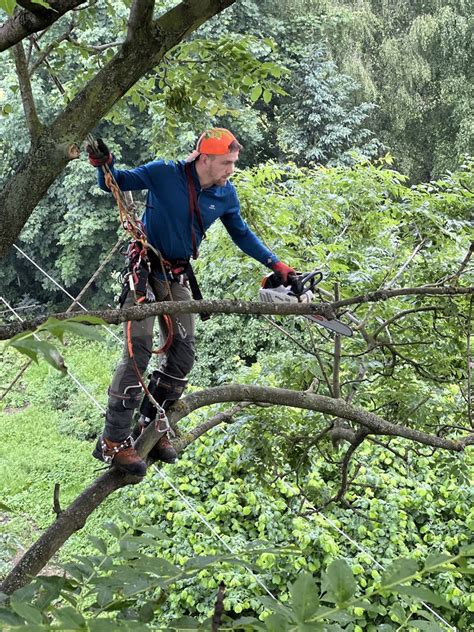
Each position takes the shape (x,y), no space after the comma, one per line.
(26,345)
(10,618)
(78,325)
(304,597)
(4,507)
(341,581)
(99,544)
(51,355)
(27,611)
(436,559)
(8,6)
(113,529)
(44,4)
(267,96)
(69,619)
(185,623)
(256,92)
(399,571)
(276,623)
(423,594)
(429,626)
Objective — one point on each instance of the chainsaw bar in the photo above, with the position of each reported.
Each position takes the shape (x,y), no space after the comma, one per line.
(300,290)
(334,324)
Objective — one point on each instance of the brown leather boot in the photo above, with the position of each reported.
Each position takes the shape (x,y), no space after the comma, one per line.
(122,455)
(163,451)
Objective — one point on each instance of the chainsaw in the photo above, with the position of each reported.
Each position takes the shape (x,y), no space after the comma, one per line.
(300,289)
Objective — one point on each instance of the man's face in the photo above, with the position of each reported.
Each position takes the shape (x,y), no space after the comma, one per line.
(219,168)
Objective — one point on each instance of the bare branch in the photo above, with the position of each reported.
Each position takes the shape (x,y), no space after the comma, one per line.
(400,315)
(37,18)
(56,504)
(29,107)
(74,517)
(51,46)
(140,17)
(383,295)
(140,312)
(392,282)
(99,48)
(455,276)
(226,416)
(358,439)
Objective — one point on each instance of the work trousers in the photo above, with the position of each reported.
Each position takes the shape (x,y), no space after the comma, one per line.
(125,392)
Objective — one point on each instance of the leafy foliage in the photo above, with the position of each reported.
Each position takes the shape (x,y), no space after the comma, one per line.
(320,123)
(30,344)
(126,581)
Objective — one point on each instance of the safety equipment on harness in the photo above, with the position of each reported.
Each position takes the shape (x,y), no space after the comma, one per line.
(299,289)
(283,269)
(100,154)
(165,389)
(135,275)
(180,270)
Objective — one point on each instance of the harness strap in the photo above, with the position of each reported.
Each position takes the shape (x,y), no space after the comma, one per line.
(193,209)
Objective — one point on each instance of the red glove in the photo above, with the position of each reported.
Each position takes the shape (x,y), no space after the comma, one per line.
(283,270)
(99,154)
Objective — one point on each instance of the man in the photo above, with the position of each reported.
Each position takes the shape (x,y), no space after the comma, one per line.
(184,199)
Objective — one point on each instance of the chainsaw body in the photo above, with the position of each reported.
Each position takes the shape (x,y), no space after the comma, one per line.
(300,289)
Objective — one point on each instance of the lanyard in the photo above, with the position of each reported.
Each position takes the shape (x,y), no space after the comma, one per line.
(193,209)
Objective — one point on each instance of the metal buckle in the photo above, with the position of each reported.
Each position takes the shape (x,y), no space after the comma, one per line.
(162,417)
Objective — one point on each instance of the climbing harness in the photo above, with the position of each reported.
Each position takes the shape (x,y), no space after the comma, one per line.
(301,288)
(135,279)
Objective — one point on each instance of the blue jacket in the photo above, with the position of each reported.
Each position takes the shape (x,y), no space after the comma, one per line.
(166,216)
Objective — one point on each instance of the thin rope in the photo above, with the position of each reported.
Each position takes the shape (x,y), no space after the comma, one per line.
(106,260)
(216,534)
(376,562)
(21,308)
(73,377)
(62,288)
(212,530)
(74,302)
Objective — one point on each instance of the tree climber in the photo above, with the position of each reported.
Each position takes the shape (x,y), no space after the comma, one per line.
(183,199)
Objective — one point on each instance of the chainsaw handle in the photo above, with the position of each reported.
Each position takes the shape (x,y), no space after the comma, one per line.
(316,276)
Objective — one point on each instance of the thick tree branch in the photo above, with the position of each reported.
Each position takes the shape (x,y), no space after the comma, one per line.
(140,312)
(74,517)
(140,18)
(115,317)
(35,18)
(320,403)
(29,107)
(140,54)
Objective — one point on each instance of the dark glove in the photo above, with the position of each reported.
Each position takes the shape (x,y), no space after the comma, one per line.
(283,270)
(99,154)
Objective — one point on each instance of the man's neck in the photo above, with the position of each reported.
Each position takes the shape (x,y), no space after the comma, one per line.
(205,184)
